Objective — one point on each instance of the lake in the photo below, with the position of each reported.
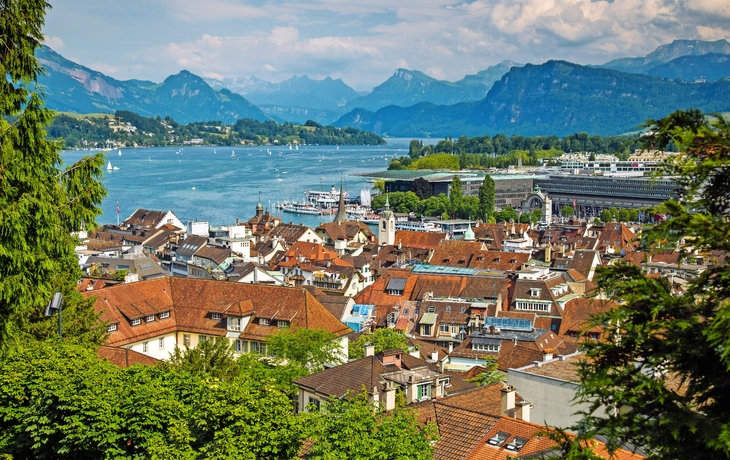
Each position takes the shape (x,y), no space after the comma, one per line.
(208,184)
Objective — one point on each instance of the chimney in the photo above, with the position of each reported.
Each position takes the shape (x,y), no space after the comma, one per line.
(399,243)
(375,396)
(547,356)
(508,401)
(451,347)
(389,390)
(434,356)
(369,350)
(548,255)
(523,411)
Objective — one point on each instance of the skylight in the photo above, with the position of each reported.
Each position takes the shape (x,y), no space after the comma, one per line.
(516,444)
(498,438)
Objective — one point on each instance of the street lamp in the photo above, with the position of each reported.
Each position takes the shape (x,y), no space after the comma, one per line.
(55,304)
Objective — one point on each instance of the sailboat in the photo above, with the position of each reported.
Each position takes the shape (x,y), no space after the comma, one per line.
(278,179)
(233,154)
(338,147)
(120,153)
(149,159)
(109,166)
(289,146)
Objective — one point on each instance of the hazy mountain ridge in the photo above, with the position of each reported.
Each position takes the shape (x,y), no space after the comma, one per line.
(557,97)
(668,52)
(185,97)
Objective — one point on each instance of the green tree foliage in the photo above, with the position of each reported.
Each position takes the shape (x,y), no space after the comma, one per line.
(567,211)
(41,202)
(536,215)
(507,214)
(381,339)
(491,374)
(352,429)
(307,348)
(379,185)
(61,401)
(606,216)
(455,194)
(664,365)
(212,358)
(486,199)
(436,161)
(399,201)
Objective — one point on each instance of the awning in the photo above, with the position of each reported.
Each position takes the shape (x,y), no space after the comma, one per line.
(428,318)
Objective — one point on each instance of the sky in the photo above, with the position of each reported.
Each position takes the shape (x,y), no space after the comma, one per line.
(364,41)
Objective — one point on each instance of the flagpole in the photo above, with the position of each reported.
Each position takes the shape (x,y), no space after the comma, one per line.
(117,214)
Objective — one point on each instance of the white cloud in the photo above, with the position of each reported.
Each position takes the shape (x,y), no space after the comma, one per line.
(56,43)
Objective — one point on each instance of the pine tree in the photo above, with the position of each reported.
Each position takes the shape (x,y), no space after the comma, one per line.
(41,202)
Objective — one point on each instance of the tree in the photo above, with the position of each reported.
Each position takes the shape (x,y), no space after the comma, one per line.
(623,215)
(381,339)
(490,375)
(309,348)
(536,215)
(352,428)
(455,194)
(379,185)
(40,203)
(634,215)
(567,211)
(606,216)
(422,188)
(414,148)
(664,366)
(212,358)
(486,199)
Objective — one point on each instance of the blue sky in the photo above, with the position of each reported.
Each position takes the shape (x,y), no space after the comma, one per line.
(364,41)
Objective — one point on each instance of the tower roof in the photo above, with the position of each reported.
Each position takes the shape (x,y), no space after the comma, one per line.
(341,213)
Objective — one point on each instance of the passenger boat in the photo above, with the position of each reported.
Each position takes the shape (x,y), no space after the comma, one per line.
(413,226)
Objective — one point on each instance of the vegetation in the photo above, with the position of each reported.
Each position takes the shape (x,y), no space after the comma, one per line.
(381,339)
(487,195)
(500,151)
(40,203)
(131,129)
(351,429)
(490,375)
(664,366)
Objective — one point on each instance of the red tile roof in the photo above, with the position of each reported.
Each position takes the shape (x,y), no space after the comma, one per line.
(420,240)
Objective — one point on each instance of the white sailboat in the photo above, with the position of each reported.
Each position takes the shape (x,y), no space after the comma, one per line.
(233,154)
(278,179)
(109,166)
(119,152)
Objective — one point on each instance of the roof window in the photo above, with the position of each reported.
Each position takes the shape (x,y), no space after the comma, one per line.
(498,438)
(516,444)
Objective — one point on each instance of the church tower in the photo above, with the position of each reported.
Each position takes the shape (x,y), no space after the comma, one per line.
(386,225)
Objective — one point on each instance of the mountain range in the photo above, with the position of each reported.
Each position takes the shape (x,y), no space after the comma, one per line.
(557,97)
(184,97)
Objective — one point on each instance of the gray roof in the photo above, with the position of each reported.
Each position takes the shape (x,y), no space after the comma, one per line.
(397,284)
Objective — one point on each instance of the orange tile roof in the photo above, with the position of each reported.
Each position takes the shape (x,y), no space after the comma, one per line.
(420,240)
(124,357)
(190,302)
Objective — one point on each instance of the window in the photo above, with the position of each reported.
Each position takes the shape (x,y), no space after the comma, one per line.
(485,347)
(150,318)
(202,338)
(145,347)
(264,321)
(516,444)
(432,309)
(443,327)
(533,306)
(186,340)
(448,308)
(423,391)
(164,314)
(136,322)
(234,324)
(112,327)
(498,439)
(534,292)
(240,346)
(282,323)
(258,347)
(463,309)
(426,329)
(216,316)
(161,343)
(313,402)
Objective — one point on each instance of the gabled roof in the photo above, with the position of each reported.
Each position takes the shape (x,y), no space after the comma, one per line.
(419,240)
(124,357)
(213,253)
(190,245)
(290,233)
(190,302)
(346,230)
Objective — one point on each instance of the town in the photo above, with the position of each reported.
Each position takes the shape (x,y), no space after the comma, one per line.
(510,299)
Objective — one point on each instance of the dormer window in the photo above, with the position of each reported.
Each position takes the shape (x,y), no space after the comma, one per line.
(282,323)
(150,318)
(112,327)
(164,314)
(431,309)
(534,292)
(234,324)
(216,316)
(136,322)
(264,321)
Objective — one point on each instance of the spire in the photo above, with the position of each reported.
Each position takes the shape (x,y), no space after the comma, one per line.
(341,213)
(387,203)
(259,207)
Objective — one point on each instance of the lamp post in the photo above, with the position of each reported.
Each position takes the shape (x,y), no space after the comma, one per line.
(56,303)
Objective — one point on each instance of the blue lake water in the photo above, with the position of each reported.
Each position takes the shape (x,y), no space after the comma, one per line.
(207,184)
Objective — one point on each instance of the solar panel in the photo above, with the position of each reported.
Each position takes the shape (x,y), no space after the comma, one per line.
(145,266)
(512,324)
